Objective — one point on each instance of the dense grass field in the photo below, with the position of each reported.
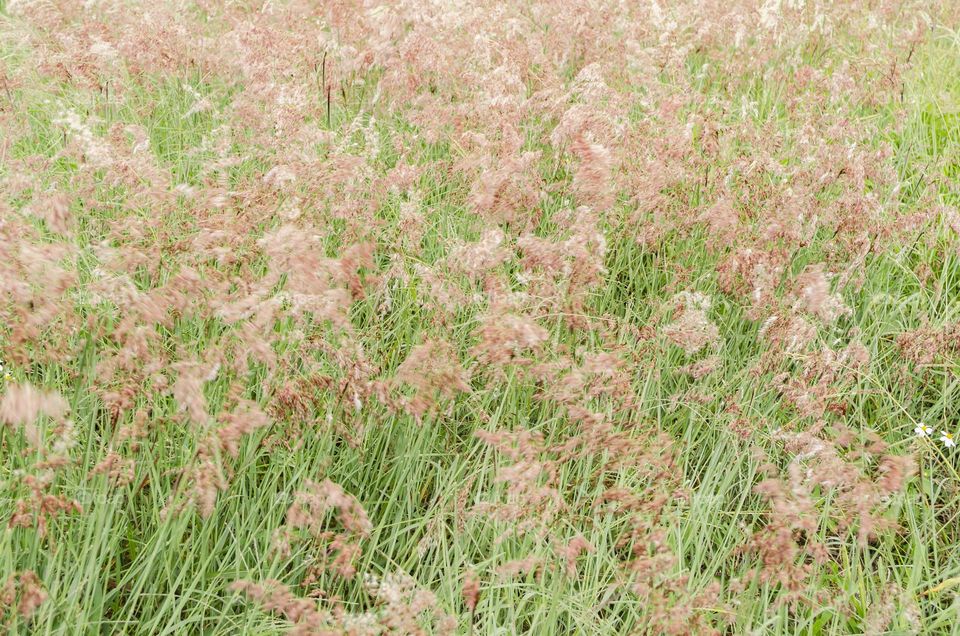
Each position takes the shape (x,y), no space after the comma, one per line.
(449,317)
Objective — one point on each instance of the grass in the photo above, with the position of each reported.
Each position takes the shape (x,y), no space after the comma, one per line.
(126,565)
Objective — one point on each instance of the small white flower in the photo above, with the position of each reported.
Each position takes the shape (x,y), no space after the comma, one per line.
(947,439)
(922,430)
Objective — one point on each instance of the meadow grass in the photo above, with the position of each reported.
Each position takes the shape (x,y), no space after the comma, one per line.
(134,561)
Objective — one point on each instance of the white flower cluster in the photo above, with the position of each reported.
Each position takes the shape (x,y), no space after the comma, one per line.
(922,430)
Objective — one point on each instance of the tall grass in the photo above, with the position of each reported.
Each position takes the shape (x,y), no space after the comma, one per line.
(493,319)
